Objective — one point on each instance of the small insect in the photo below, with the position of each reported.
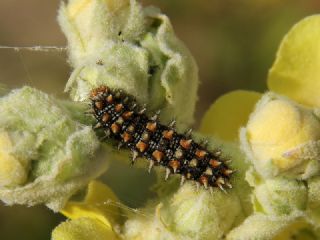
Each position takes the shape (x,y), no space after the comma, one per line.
(122,120)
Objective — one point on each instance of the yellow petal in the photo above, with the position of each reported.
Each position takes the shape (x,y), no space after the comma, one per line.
(100,203)
(12,171)
(296,71)
(83,229)
(228,114)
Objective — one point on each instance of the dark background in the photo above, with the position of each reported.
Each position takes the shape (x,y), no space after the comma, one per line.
(234,43)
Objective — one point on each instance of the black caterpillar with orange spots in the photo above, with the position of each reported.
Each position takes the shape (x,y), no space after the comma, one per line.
(121,119)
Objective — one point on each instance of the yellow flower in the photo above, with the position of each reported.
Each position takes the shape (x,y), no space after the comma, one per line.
(228,114)
(92,218)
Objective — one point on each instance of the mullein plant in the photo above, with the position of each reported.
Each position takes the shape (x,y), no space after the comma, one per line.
(49,153)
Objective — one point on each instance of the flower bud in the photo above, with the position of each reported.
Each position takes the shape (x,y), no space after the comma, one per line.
(153,227)
(282,137)
(189,215)
(125,46)
(193,210)
(277,196)
(45,155)
(234,158)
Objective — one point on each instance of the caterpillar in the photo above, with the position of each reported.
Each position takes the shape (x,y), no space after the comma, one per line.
(122,120)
